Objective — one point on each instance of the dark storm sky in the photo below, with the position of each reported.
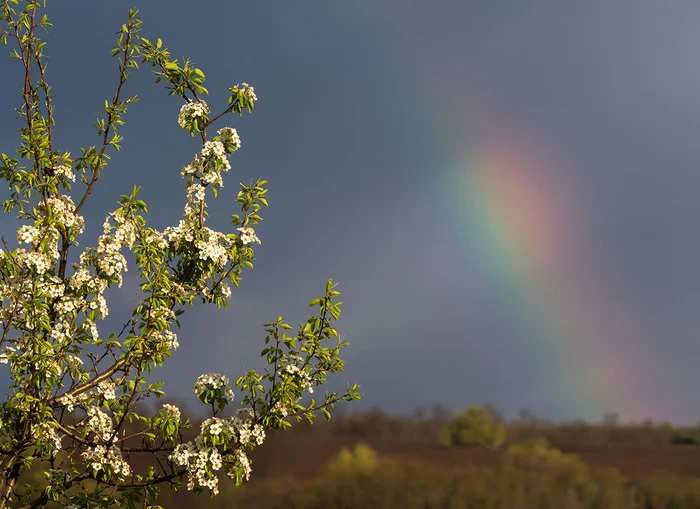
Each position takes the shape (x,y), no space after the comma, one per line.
(354,129)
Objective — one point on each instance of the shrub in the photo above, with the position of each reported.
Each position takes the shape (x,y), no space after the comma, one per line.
(687,436)
(473,427)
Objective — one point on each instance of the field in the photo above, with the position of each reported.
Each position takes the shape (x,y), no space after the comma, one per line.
(361,461)
(281,455)
(634,450)
(403,465)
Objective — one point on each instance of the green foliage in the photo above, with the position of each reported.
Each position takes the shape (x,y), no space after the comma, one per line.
(668,491)
(361,459)
(545,476)
(687,436)
(473,427)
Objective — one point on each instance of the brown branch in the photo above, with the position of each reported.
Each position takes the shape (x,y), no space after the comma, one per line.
(54,402)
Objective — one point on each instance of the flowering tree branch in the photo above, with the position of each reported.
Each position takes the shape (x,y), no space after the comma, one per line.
(74,406)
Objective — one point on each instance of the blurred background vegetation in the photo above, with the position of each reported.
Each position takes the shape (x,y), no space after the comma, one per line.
(469,459)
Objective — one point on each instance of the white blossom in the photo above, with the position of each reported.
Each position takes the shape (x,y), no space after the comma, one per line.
(190,111)
(296,371)
(33,259)
(213,246)
(247,90)
(243,462)
(171,411)
(248,236)
(201,464)
(202,461)
(280,408)
(195,193)
(63,211)
(61,331)
(44,432)
(74,300)
(100,457)
(214,381)
(27,234)
(157,238)
(70,401)
(52,286)
(100,423)
(230,139)
(183,232)
(107,390)
(64,171)
(4,356)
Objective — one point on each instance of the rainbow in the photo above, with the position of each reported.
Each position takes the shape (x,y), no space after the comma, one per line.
(515,217)
(512,218)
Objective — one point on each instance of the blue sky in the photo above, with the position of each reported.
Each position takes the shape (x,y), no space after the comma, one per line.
(355,129)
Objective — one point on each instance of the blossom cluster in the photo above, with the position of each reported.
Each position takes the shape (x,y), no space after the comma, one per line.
(155,237)
(64,171)
(248,433)
(295,371)
(215,152)
(5,355)
(241,461)
(202,460)
(246,90)
(119,231)
(33,260)
(62,210)
(51,286)
(52,213)
(168,337)
(107,390)
(28,234)
(195,193)
(210,382)
(101,458)
(83,280)
(88,325)
(201,463)
(210,244)
(71,401)
(230,139)
(44,433)
(220,290)
(191,111)
(100,423)
(248,236)
(182,233)
(209,164)
(243,430)
(279,408)
(213,245)
(171,412)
